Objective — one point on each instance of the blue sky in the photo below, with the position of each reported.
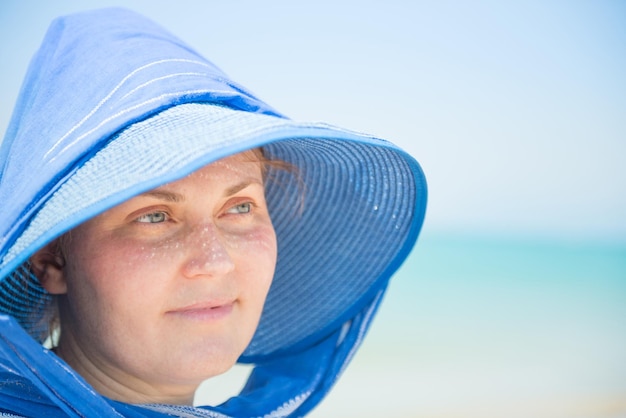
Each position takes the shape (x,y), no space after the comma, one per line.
(514,109)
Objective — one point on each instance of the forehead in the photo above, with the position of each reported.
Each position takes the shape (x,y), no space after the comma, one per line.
(245,164)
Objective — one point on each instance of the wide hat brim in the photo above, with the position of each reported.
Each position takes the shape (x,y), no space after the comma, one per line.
(363,205)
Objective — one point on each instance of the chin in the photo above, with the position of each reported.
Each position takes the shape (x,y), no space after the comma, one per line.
(209,363)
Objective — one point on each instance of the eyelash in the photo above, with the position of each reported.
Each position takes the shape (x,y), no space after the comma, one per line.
(246,206)
(238,209)
(145,216)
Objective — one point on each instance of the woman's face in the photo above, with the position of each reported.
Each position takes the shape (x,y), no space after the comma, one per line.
(166,289)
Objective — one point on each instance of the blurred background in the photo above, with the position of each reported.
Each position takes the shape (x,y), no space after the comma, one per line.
(513,301)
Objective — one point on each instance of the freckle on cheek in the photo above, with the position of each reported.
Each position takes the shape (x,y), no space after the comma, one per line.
(258,239)
(144,253)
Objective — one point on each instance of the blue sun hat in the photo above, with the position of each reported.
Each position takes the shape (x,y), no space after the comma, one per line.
(112,106)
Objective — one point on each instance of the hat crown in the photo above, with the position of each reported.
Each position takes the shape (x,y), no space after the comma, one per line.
(69,72)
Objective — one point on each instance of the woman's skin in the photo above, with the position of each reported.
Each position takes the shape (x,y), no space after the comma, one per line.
(166,289)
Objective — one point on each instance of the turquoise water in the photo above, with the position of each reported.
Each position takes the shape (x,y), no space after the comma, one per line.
(503,322)
(541,291)
(504,282)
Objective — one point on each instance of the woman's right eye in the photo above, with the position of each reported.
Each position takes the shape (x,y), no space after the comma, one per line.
(153,218)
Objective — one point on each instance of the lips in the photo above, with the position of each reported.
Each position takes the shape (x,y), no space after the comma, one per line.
(204,311)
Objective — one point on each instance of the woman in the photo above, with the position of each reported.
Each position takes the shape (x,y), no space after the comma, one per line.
(161,223)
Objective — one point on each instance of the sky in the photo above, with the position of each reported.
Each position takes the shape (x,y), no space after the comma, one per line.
(515,110)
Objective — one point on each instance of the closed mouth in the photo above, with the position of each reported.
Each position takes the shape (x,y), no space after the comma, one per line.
(204,310)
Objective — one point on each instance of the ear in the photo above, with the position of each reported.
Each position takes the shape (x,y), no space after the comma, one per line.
(47,265)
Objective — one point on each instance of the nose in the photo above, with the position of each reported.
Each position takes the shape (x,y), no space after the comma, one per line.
(208,255)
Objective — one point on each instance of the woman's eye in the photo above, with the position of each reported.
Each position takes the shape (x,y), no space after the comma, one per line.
(241,208)
(153,218)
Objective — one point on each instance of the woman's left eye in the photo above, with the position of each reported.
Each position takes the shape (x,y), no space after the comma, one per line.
(241,208)
(153,218)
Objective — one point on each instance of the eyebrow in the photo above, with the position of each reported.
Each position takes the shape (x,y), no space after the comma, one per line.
(242,185)
(174,197)
(164,195)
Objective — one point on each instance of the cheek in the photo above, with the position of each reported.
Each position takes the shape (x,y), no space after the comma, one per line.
(116,269)
(256,254)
